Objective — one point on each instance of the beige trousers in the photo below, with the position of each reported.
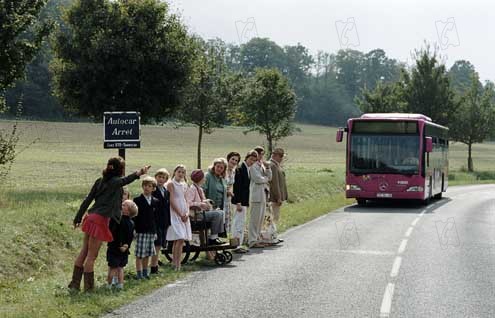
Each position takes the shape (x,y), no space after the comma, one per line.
(255,222)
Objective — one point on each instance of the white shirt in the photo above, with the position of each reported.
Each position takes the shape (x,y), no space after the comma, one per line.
(148,199)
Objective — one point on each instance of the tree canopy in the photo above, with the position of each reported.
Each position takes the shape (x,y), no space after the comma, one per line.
(267,105)
(121,55)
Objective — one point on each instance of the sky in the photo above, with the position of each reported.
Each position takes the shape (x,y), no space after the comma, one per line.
(459,29)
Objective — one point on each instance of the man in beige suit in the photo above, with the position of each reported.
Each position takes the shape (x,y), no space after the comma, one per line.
(260,175)
(278,186)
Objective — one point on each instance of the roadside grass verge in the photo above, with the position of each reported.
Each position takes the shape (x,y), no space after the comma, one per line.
(476,177)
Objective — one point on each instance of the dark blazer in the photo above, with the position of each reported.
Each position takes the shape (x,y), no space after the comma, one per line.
(241,185)
(144,222)
(162,216)
(122,233)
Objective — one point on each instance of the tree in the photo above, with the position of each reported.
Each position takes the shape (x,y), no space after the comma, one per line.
(122,55)
(378,68)
(427,88)
(473,121)
(261,53)
(267,105)
(16,50)
(460,75)
(385,98)
(17,17)
(349,67)
(205,98)
(35,90)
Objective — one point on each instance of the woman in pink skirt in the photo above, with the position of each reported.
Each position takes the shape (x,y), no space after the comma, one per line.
(107,193)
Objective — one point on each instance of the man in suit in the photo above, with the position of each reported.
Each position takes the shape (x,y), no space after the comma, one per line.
(278,187)
(241,198)
(260,174)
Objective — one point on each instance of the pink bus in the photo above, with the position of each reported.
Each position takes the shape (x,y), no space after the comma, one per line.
(395,156)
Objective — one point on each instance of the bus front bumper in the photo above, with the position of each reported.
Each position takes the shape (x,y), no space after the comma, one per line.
(384,195)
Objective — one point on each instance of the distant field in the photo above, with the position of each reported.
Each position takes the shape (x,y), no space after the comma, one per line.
(52,176)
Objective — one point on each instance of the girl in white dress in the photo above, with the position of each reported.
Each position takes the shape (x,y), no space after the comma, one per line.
(180,227)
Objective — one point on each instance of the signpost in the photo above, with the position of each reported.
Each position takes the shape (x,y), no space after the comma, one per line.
(121,130)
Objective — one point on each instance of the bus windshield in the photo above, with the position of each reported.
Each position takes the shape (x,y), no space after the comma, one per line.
(384,153)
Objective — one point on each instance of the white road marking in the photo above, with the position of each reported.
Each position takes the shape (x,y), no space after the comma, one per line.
(415,221)
(396,267)
(366,252)
(389,290)
(409,230)
(387,300)
(402,247)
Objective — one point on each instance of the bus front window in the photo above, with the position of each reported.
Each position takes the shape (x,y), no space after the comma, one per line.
(376,153)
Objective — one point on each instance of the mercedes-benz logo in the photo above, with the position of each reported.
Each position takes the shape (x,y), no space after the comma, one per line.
(383,186)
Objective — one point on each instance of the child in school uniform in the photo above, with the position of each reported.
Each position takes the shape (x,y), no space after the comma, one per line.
(145,227)
(162,215)
(180,227)
(118,249)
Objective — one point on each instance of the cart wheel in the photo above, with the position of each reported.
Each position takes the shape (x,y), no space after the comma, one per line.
(185,252)
(195,256)
(228,256)
(220,259)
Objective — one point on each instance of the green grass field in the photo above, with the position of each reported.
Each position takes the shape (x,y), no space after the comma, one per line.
(51,177)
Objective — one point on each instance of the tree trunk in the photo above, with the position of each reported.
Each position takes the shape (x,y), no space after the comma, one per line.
(470,159)
(200,138)
(270,144)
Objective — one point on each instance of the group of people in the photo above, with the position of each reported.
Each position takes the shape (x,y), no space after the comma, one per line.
(163,212)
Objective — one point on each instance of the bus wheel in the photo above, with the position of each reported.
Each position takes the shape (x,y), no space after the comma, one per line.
(438,196)
(361,201)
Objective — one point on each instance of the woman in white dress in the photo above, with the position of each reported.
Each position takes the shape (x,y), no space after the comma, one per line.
(233,159)
(180,227)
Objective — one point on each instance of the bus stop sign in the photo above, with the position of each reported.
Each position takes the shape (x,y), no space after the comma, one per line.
(121,130)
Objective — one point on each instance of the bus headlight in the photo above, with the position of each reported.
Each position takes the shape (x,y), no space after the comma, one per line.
(352,187)
(415,189)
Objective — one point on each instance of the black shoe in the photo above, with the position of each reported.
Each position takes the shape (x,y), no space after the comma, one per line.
(215,242)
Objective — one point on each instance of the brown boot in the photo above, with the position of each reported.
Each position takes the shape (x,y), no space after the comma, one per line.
(89,281)
(77,274)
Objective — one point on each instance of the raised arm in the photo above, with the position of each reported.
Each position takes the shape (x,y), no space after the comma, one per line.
(257,175)
(122,181)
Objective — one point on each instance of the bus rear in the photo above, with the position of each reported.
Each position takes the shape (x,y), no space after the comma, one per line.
(390,156)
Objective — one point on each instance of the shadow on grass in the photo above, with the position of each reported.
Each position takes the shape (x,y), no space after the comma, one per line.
(68,194)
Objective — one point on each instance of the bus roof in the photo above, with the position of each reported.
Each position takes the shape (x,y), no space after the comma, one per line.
(395,116)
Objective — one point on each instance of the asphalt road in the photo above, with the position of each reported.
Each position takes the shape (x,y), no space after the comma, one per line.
(375,261)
